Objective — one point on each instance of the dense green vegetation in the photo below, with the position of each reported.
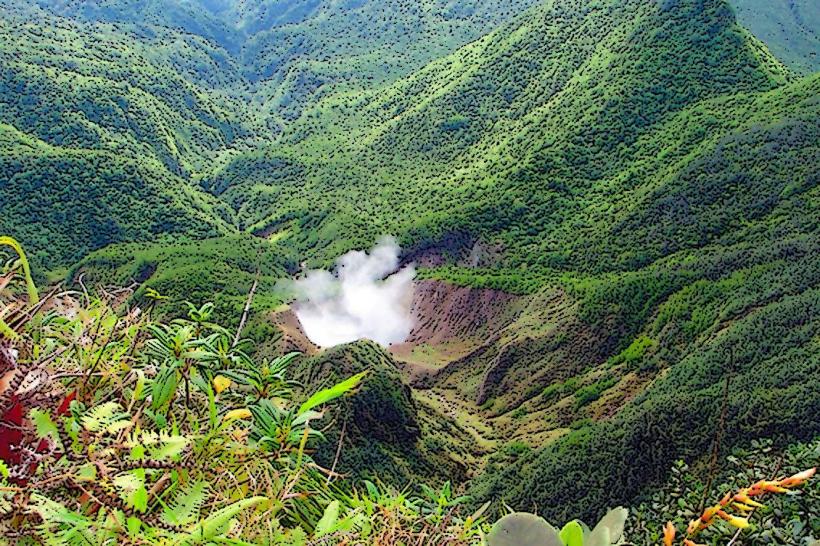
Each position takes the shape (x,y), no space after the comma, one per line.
(685,495)
(142,431)
(641,176)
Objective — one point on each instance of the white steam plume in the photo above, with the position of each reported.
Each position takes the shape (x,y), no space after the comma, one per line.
(366,298)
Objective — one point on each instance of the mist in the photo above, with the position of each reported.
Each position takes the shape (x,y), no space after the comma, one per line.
(366,297)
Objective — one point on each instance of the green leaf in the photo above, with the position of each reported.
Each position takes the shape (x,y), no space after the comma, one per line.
(133,525)
(138,388)
(522,529)
(572,534)
(87,472)
(610,529)
(132,489)
(140,499)
(372,490)
(329,519)
(599,536)
(7,332)
(108,416)
(164,387)
(165,446)
(326,395)
(217,523)
(44,425)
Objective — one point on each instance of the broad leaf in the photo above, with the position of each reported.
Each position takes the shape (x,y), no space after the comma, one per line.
(326,395)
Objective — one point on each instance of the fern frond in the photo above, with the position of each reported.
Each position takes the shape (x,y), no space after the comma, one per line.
(61,526)
(186,505)
(168,446)
(107,417)
(217,523)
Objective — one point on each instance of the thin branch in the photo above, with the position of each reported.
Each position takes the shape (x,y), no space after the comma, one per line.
(718,433)
(245,312)
(338,453)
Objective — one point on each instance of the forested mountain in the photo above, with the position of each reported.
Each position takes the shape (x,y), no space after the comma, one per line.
(791,29)
(182,86)
(520,111)
(291,50)
(620,145)
(106,130)
(613,206)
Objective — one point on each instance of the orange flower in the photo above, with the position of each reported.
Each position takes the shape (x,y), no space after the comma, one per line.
(693,527)
(668,534)
(773,487)
(764,486)
(743,507)
(743,496)
(709,513)
(798,479)
(725,500)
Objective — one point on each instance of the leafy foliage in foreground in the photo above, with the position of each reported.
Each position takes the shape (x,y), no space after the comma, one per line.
(120,429)
(129,430)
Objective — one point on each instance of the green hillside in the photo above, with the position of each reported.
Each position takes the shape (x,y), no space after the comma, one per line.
(135,88)
(109,127)
(619,153)
(461,145)
(86,199)
(791,29)
(290,51)
(101,88)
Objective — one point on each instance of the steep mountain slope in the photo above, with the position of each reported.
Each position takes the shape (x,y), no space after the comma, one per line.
(790,28)
(66,202)
(765,348)
(651,161)
(508,133)
(386,434)
(101,88)
(293,49)
(355,45)
(102,128)
(120,82)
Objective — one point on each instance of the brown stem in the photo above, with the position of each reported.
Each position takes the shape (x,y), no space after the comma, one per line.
(245,311)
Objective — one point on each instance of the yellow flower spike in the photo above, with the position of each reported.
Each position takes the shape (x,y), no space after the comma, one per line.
(221,383)
(668,534)
(734,521)
(764,486)
(774,487)
(742,507)
(744,498)
(798,479)
(243,413)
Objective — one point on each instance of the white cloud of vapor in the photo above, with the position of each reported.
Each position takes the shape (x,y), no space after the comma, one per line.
(366,298)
